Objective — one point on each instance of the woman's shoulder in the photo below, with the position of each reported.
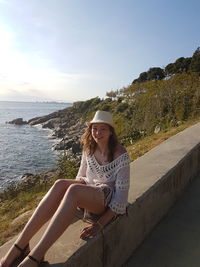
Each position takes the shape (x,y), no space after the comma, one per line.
(120,150)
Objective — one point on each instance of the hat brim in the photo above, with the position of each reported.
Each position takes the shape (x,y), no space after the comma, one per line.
(99,121)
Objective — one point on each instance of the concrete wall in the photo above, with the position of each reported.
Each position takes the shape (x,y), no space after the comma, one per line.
(157,179)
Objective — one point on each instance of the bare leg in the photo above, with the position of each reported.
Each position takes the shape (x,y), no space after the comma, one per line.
(76,196)
(42,214)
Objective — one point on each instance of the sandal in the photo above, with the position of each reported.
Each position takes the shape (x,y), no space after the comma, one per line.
(23,253)
(39,262)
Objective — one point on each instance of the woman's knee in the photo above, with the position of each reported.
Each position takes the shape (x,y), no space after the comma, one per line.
(61,185)
(74,189)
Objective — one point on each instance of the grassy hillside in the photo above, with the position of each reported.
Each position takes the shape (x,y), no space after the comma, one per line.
(140,108)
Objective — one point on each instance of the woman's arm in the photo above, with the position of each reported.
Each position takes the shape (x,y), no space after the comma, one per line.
(82,169)
(106,218)
(119,198)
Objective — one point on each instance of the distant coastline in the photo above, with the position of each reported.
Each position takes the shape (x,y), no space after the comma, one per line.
(53,102)
(42,102)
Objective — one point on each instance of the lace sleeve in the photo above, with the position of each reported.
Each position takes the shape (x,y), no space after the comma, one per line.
(83,167)
(119,199)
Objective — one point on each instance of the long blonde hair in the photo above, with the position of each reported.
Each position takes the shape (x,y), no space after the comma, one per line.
(89,144)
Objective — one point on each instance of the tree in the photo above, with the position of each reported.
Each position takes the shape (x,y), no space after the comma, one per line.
(151,74)
(169,69)
(195,62)
(111,94)
(155,74)
(135,81)
(142,77)
(181,65)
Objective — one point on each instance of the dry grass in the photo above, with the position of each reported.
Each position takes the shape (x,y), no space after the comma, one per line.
(14,214)
(145,144)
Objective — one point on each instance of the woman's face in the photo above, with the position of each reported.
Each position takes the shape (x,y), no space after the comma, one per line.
(101,132)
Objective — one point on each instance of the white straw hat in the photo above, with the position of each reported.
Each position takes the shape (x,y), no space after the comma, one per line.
(103,117)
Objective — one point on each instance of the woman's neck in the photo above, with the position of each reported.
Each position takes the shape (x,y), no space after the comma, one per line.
(103,149)
(102,154)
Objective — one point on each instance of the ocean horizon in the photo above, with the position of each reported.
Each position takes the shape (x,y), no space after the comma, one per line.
(25,148)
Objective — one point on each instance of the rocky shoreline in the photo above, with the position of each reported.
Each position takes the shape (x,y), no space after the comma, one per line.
(66,126)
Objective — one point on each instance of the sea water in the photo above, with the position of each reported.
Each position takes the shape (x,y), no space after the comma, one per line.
(25,148)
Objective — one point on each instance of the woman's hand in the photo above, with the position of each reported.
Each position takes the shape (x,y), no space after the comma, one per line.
(81,180)
(90,231)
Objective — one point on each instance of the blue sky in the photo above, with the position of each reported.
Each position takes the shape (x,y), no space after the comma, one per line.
(70,50)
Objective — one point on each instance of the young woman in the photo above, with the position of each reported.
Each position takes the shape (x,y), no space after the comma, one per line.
(101,188)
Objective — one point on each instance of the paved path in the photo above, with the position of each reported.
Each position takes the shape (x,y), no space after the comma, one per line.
(175,242)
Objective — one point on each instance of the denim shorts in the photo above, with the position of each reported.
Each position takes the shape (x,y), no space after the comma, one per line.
(106,193)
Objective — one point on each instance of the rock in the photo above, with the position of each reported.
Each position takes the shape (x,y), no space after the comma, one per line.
(51,124)
(179,123)
(36,121)
(64,145)
(23,217)
(76,148)
(173,122)
(26,175)
(157,129)
(66,125)
(18,121)
(58,133)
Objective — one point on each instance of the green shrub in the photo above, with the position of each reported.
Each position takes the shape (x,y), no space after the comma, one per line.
(121,107)
(67,167)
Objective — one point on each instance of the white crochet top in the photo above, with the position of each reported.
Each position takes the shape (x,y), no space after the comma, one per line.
(115,174)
